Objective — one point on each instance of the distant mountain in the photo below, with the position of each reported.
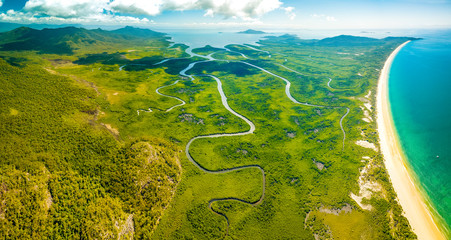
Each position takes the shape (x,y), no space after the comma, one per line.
(5,26)
(338,41)
(251,31)
(138,32)
(53,41)
(69,39)
(407,38)
(290,39)
(347,40)
(207,49)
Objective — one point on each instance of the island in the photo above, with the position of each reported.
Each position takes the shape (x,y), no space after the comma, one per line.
(251,31)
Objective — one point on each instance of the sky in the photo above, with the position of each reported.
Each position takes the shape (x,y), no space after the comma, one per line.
(231,14)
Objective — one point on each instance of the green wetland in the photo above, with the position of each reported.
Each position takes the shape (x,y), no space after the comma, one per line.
(122,134)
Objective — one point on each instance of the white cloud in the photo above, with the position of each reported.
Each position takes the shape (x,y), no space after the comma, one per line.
(324,17)
(289,12)
(140,7)
(27,17)
(244,9)
(331,19)
(133,10)
(1,3)
(66,8)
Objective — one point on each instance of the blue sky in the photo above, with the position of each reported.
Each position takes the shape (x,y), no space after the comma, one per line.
(259,14)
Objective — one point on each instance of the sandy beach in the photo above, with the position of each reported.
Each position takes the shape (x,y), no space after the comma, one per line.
(410,198)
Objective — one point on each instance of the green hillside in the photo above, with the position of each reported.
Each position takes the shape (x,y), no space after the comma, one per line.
(63,174)
(71,40)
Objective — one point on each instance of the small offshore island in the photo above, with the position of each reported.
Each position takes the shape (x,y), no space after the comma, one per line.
(251,31)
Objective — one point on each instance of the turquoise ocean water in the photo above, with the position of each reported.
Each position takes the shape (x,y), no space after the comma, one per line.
(420,99)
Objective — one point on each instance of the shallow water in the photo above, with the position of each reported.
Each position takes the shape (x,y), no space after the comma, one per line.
(420,98)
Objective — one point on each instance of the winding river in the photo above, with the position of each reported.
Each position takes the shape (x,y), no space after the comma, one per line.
(287,91)
(250,131)
(252,127)
(169,96)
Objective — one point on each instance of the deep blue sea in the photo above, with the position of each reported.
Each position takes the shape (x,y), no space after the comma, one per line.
(420,99)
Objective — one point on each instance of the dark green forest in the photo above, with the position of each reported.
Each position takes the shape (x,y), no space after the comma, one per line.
(63,175)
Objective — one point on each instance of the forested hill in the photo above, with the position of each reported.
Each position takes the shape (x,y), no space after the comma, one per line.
(69,40)
(347,40)
(64,174)
(132,32)
(341,40)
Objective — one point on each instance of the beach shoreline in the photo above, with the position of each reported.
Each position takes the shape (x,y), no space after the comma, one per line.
(411,199)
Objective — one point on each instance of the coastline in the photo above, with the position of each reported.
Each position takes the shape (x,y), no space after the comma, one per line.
(410,198)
